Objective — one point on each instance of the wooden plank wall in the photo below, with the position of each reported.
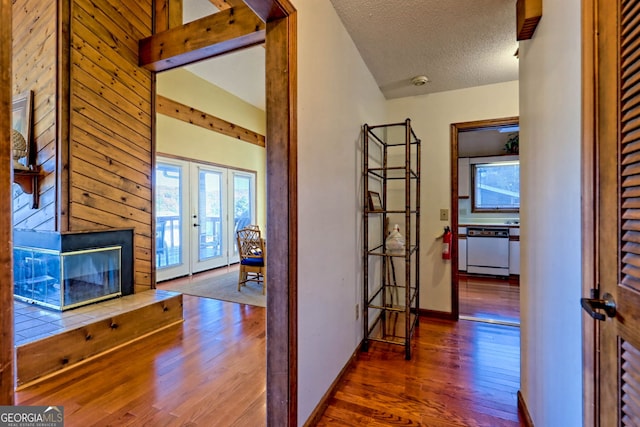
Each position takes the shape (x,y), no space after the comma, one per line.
(34,68)
(110,156)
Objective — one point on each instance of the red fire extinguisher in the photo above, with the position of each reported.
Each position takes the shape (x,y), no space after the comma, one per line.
(446,243)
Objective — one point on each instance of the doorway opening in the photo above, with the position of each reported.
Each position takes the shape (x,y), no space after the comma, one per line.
(485,217)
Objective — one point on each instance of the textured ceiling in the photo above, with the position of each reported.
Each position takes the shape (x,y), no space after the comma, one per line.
(455,43)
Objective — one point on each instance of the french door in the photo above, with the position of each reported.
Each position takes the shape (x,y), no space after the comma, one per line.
(198,209)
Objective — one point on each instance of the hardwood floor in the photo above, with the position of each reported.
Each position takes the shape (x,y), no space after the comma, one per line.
(209,371)
(461,374)
(492,299)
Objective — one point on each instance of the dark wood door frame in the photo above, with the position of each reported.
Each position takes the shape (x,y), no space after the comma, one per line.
(7,384)
(282,207)
(456,128)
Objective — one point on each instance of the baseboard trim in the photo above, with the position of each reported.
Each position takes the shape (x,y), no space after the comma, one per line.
(317,413)
(435,314)
(523,411)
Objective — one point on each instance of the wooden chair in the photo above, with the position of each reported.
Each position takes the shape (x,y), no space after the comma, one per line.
(253,266)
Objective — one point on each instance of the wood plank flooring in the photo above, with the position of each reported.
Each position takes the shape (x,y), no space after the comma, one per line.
(209,371)
(489,298)
(461,374)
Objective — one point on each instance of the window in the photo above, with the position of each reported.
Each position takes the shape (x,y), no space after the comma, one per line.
(496,186)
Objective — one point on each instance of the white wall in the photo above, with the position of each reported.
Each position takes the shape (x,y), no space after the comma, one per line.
(431,117)
(550,280)
(336,96)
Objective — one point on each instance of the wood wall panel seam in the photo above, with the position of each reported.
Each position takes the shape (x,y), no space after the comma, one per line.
(131,77)
(176,110)
(108,10)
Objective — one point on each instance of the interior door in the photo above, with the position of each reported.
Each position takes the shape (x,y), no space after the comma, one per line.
(617,361)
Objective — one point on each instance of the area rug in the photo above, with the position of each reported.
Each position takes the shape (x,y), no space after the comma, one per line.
(223,287)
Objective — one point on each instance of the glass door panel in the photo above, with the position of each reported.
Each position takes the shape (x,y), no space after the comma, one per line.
(243,193)
(171,225)
(209,247)
(198,210)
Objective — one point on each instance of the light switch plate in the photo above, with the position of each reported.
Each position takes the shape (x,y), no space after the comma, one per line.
(444,214)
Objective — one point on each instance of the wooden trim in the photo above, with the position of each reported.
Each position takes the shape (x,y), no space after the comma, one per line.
(456,128)
(282,224)
(211,36)
(63,116)
(268,10)
(589,208)
(525,417)
(187,114)
(154,134)
(205,162)
(489,123)
(455,220)
(6,226)
(317,413)
(175,13)
(528,14)
(226,4)
(435,314)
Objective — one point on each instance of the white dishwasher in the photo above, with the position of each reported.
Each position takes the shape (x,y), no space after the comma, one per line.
(488,250)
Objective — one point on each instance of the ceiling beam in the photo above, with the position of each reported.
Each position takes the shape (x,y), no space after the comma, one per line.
(226,4)
(266,9)
(223,32)
(176,110)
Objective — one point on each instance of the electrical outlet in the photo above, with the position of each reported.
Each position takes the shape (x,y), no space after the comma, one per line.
(357,311)
(444,214)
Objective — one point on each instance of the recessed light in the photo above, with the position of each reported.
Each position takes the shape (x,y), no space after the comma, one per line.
(419,80)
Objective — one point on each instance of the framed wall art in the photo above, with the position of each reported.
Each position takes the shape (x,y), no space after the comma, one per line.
(375,202)
(21,120)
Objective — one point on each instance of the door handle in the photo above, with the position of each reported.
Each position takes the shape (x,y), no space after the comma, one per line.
(606,303)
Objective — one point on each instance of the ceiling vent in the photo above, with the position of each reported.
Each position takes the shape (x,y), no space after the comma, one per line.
(419,80)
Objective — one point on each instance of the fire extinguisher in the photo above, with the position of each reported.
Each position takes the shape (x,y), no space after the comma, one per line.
(446,243)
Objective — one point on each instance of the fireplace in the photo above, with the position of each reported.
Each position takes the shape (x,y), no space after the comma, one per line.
(68,270)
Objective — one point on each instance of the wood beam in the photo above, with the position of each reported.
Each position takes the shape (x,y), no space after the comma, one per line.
(226,4)
(213,35)
(168,14)
(179,111)
(6,227)
(268,10)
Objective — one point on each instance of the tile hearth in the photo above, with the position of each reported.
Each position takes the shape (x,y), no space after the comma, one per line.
(32,322)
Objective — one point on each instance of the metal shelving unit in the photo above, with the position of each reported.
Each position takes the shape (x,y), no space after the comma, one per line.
(391,169)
